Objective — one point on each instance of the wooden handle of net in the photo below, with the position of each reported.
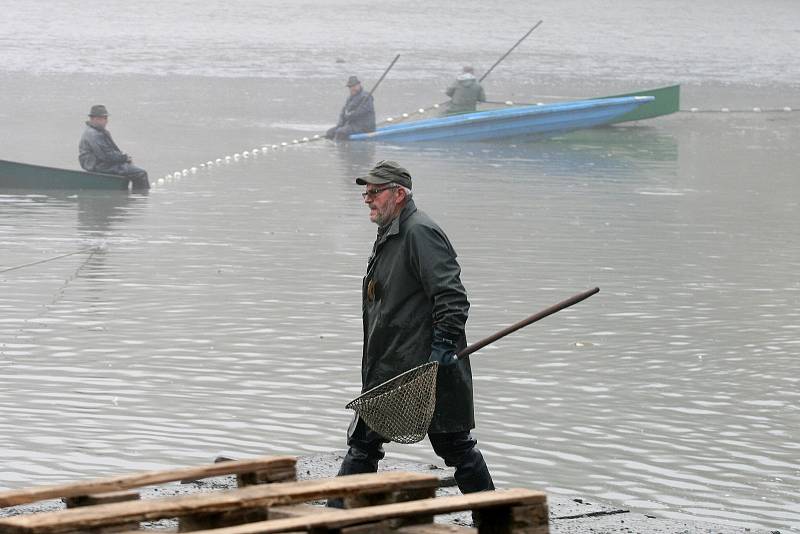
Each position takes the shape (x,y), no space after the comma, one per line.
(525,322)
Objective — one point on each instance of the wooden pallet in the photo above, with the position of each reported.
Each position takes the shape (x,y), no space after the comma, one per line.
(125,487)
(515,511)
(224,508)
(404,503)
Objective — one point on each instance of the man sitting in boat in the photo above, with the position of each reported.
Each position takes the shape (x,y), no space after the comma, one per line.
(358,113)
(97,151)
(465,93)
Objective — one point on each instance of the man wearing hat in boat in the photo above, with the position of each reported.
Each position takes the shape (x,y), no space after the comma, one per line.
(97,151)
(465,92)
(358,113)
(414,309)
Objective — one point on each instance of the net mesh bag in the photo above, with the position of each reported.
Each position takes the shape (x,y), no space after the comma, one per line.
(400,409)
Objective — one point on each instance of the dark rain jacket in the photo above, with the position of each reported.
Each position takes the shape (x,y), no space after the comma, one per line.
(358,113)
(98,152)
(413,282)
(465,94)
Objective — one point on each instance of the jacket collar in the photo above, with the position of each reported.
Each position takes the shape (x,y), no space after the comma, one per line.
(385,233)
(98,128)
(394,226)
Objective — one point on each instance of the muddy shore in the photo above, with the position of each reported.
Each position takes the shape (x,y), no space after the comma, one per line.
(567,515)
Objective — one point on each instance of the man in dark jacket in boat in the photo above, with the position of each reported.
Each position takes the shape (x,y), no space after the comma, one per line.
(97,151)
(414,311)
(357,115)
(465,93)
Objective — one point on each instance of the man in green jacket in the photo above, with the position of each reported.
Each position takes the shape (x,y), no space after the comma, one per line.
(414,310)
(465,93)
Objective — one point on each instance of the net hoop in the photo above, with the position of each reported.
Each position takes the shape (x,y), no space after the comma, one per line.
(400,409)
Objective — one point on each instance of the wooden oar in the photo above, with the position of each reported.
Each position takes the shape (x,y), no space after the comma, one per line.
(485,74)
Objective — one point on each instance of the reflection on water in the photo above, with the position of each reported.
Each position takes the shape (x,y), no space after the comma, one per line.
(608,152)
(221,314)
(99,211)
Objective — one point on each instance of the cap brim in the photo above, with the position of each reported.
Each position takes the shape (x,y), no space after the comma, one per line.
(371,179)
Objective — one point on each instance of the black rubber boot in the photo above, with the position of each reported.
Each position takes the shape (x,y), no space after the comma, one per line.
(472,474)
(366,450)
(355,462)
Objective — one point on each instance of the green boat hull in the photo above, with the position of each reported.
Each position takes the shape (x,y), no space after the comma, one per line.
(15,175)
(667,100)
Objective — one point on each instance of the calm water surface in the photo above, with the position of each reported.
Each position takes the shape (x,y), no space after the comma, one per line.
(221,312)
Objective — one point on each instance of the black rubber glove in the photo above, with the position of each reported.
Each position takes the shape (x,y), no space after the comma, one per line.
(443,349)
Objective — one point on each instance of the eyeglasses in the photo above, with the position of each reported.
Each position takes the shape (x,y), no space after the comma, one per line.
(375,191)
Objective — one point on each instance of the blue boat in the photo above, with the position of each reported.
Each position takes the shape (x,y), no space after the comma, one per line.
(526,121)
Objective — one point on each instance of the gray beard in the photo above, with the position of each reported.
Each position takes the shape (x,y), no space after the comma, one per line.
(384,224)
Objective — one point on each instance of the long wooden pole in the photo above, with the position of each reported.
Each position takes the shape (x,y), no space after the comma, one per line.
(377,83)
(525,322)
(496,63)
(384,74)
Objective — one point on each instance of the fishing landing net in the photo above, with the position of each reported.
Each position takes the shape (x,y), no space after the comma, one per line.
(400,409)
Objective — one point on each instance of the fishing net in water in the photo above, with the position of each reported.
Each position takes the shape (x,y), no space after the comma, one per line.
(400,409)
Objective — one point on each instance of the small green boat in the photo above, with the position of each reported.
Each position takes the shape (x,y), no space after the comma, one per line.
(667,100)
(15,175)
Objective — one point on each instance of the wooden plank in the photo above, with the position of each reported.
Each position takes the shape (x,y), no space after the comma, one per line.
(437,528)
(380,527)
(294,510)
(518,519)
(337,519)
(221,502)
(228,518)
(373,499)
(149,478)
(266,476)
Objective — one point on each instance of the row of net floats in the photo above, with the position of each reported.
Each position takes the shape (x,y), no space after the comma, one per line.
(226,160)
(729,110)
(177,175)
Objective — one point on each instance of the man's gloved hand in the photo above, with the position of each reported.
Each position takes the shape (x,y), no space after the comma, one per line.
(443,349)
